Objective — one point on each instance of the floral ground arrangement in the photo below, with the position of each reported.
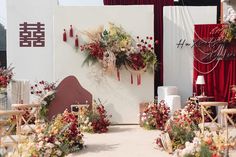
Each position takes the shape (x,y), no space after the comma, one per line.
(6,75)
(59,138)
(45,92)
(94,120)
(63,135)
(183,137)
(155,116)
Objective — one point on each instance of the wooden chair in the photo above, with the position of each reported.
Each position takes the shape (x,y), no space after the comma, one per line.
(8,136)
(205,112)
(226,116)
(28,124)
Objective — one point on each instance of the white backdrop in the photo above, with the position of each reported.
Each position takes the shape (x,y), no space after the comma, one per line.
(178,63)
(122,98)
(31,63)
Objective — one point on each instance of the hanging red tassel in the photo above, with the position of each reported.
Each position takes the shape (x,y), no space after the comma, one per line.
(138,79)
(76,42)
(131,79)
(118,75)
(64,36)
(71,31)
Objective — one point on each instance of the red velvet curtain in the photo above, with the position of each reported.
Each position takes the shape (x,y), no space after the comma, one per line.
(218,81)
(158,29)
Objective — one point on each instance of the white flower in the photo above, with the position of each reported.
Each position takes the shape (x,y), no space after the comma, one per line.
(187,144)
(58,152)
(84,127)
(86,121)
(40,144)
(48,152)
(50,145)
(57,143)
(44,102)
(143,118)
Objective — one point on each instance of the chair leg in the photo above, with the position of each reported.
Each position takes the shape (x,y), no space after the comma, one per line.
(227,131)
(203,120)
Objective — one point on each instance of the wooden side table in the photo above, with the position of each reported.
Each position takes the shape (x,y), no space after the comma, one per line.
(205,98)
(202,98)
(204,111)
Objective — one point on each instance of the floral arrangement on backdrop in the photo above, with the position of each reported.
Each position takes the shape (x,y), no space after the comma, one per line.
(95,120)
(155,116)
(45,91)
(228,31)
(6,75)
(114,48)
(59,138)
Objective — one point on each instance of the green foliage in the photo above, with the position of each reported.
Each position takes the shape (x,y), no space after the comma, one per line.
(121,58)
(44,105)
(230,32)
(89,60)
(149,59)
(205,151)
(180,136)
(149,127)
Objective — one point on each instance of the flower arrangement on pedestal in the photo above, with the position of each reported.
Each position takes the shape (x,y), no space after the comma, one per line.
(5,77)
(59,138)
(155,116)
(45,91)
(114,48)
(95,120)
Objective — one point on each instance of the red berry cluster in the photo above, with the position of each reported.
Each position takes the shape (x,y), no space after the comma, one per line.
(101,123)
(145,44)
(42,87)
(95,49)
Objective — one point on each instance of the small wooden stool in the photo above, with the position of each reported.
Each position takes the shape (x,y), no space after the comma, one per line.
(204,106)
(78,108)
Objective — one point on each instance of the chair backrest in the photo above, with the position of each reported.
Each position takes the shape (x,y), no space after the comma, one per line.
(30,116)
(7,129)
(19,91)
